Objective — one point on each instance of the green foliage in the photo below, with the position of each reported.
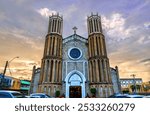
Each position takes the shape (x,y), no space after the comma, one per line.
(57,93)
(125,91)
(146,88)
(132,87)
(93,91)
(137,87)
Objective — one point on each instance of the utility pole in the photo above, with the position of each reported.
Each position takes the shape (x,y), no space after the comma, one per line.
(134,82)
(3,76)
(5,68)
(2,84)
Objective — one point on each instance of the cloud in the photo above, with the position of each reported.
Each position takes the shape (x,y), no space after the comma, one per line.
(45,12)
(2,16)
(70,11)
(114,27)
(127,44)
(147,25)
(145,60)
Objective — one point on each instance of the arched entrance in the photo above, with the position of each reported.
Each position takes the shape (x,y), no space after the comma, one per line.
(75,85)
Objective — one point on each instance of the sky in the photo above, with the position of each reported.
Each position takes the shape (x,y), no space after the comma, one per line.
(125,23)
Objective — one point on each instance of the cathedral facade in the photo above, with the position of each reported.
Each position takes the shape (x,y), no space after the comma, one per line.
(75,66)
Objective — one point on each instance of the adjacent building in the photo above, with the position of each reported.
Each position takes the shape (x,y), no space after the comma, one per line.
(128,84)
(11,83)
(115,80)
(5,81)
(24,86)
(35,80)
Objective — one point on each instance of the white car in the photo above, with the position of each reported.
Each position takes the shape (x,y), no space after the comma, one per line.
(39,95)
(119,96)
(148,96)
(135,96)
(10,94)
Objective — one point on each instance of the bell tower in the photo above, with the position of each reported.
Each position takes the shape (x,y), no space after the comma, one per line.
(99,69)
(51,67)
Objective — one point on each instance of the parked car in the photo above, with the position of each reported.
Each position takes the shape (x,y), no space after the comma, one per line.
(119,96)
(147,96)
(10,94)
(39,95)
(26,96)
(135,96)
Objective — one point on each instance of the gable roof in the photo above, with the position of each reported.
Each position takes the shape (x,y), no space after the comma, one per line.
(75,36)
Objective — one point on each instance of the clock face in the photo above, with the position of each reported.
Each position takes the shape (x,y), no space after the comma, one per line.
(75,53)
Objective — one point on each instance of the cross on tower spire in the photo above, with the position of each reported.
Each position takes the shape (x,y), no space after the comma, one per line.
(74,28)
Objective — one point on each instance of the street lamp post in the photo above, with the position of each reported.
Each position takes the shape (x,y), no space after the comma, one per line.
(3,76)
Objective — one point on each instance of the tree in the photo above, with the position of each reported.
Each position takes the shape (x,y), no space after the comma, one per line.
(134,88)
(126,90)
(57,93)
(93,91)
(146,88)
(138,87)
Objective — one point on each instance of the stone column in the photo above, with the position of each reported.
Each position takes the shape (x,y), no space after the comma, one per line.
(50,26)
(61,48)
(97,71)
(98,46)
(47,68)
(56,71)
(51,46)
(53,71)
(60,72)
(95,45)
(101,91)
(41,76)
(90,26)
(61,27)
(93,26)
(106,90)
(55,46)
(104,93)
(89,65)
(98,25)
(89,49)
(108,70)
(49,71)
(93,76)
(57,50)
(105,66)
(48,39)
(44,70)
(57,26)
(102,73)
(102,47)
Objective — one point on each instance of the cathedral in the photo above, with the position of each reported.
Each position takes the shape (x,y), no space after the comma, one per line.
(75,67)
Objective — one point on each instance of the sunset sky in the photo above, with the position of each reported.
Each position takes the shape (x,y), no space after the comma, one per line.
(126,26)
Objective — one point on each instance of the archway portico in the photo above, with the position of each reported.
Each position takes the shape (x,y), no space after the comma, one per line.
(75,80)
